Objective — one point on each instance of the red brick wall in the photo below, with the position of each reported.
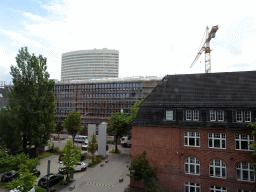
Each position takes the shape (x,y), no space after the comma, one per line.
(163,143)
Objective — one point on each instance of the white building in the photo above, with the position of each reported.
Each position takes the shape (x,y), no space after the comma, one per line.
(87,64)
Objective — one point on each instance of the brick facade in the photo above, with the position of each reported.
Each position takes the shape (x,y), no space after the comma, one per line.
(165,145)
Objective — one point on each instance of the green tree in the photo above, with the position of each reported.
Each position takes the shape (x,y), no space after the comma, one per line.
(118,125)
(58,129)
(253,144)
(71,157)
(141,169)
(92,146)
(134,110)
(73,123)
(26,180)
(32,99)
(10,134)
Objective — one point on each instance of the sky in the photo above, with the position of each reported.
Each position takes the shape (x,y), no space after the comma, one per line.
(154,38)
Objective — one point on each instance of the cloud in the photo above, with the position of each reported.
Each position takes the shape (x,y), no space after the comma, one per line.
(19,39)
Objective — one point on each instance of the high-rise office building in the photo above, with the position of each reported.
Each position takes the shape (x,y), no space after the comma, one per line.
(88,64)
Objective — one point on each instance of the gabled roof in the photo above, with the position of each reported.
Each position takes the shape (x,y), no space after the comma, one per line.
(234,89)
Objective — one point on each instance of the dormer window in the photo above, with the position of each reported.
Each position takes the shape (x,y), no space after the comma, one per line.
(243,116)
(192,115)
(169,115)
(216,115)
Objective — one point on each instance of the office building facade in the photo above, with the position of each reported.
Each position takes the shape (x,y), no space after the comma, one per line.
(88,64)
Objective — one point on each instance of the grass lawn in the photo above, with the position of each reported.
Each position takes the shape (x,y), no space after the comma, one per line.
(43,155)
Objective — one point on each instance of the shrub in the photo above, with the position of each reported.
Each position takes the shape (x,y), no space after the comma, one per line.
(39,189)
(113,151)
(62,182)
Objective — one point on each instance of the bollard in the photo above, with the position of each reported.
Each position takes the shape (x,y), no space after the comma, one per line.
(121,179)
(102,164)
(72,187)
(106,161)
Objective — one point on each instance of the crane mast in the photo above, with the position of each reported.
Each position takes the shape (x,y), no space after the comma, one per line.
(206,48)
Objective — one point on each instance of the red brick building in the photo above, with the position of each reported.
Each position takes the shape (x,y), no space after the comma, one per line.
(195,127)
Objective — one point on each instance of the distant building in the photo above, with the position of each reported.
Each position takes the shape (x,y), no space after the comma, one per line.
(97,99)
(197,125)
(87,64)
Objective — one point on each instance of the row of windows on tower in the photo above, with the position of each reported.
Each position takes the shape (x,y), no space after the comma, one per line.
(193,115)
(103,85)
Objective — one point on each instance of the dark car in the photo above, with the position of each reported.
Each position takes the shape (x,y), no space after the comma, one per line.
(11,175)
(53,180)
(83,157)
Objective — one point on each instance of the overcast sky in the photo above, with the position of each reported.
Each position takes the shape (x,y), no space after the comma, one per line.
(153,37)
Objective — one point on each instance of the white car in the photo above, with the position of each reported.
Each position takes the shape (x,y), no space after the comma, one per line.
(16,190)
(85,145)
(80,166)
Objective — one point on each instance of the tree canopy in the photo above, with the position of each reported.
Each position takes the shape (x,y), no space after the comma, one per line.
(71,157)
(31,99)
(73,123)
(119,123)
(141,169)
(92,146)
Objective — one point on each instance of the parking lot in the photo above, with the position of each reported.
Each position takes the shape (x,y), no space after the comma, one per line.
(94,179)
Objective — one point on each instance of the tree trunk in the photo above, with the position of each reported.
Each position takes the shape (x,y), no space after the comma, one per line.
(59,136)
(116,144)
(24,144)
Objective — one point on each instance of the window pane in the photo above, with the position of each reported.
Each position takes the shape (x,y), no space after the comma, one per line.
(210,142)
(197,169)
(223,144)
(192,141)
(223,172)
(237,145)
(186,167)
(192,168)
(245,175)
(217,143)
(197,142)
(244,145)
(217,171)
(211,171)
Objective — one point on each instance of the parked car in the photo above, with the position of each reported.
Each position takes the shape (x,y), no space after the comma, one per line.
(80,166)
(53,180)
(16,190)
(85,145)
(80,138)
(11,175)
(83,157)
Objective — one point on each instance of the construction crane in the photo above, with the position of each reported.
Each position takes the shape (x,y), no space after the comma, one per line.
(206,48)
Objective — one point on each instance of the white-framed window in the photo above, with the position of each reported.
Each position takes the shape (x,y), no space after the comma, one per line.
(169,115)
(217,168)
(192,187)
(195,115)
(244,172)
(192,115)
(239,116)
(241,190)
(220,115)
(243,142)
(192,139)
(192,166)
(243,116)
(247,116)
(188,115)
(217,140)
(216,115)
(212,115)
(217,189)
